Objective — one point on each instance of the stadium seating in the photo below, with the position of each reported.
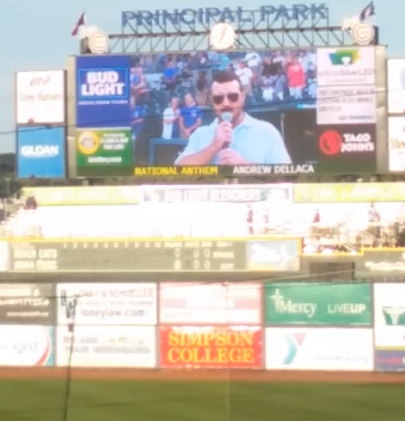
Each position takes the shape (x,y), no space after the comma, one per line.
(342,227)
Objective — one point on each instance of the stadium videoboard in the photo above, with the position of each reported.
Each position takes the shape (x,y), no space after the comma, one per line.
(292,111)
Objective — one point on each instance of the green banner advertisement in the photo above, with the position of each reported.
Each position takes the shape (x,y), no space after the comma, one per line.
(349,193)
(76,196)
(104,148)
(318,304)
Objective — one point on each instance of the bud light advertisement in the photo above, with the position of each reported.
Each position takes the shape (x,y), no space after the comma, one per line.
(103,91)
(41,152)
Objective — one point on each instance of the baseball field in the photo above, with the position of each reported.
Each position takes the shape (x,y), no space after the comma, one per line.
(128,395)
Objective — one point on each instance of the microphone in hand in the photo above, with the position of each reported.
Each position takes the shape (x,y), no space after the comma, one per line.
(226,117)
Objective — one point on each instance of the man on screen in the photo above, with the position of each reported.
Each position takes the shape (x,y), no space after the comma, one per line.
(234,138)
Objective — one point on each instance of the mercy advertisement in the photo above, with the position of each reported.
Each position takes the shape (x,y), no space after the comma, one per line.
(304,109)
(106,346)
(212,303)
(331,349)
(29,346)
(389,317)
(107,304)
(40,97)
(211,347)
(41,152)
(318,304)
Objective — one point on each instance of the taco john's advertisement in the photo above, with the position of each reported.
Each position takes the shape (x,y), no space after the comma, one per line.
(211,347)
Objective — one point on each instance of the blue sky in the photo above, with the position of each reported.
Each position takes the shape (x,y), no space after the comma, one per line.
(36,34)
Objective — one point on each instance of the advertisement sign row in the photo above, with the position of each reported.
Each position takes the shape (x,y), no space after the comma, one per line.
(145,117)
(120,304)
(40,120)
(188,347)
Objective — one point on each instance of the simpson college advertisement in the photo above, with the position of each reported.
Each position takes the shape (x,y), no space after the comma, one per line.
(307,111)
(211,347)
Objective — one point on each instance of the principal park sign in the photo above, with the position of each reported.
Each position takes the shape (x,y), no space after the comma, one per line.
(318,304)
(297,12)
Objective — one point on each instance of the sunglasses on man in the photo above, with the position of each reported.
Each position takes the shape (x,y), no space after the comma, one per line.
(219,99)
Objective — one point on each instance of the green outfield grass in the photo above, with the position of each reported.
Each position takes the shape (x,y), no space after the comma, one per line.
(23,400)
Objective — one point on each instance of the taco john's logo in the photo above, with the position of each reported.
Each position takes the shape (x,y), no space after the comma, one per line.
(331,142)
(88,142)
(202,347)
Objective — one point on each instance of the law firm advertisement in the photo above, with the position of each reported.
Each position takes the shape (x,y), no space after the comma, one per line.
(40,97)
(211,347)
(41,152)
(318,304)
(180,120)
(107,304)
(389,326)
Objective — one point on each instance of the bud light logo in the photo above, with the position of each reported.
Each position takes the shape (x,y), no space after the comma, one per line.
(103,86)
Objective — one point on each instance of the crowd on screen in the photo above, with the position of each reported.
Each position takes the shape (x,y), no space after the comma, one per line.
(176,86)
(339,236)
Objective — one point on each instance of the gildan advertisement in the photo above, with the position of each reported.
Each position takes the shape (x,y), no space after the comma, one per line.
(107,304)
(331,349)
(211,347)
(27,346)
(106,346)
(41,152)
(235,113)
(212,303)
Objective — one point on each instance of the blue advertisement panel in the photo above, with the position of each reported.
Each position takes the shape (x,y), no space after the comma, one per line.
(41,152)
(252,112)
(389,360)
(103,91)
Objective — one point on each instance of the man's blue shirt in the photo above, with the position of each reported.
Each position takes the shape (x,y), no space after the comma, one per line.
(136,113)
(190,115)
(259,142)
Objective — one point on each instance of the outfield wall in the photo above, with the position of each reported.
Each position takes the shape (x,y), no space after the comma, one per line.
(271,326)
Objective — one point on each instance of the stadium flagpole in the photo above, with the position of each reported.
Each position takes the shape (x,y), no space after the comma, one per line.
(69,365)
(228,376)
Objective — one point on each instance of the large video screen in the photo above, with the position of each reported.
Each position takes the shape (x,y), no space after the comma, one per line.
(235,113)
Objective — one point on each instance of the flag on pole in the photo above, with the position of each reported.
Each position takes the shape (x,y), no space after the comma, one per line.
(367,12)
(80,22)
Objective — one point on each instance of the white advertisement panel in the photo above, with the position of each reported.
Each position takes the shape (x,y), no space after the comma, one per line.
(213,303)
(396,86)
(40,97)
(389,316)
(106,346)
(107,304)
(29,346)
(396,143)
(319,349)
(346,105)
(346,66)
